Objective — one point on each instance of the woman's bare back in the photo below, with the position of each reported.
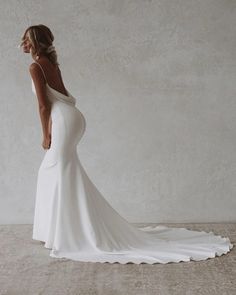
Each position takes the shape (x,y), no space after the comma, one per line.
(53,75)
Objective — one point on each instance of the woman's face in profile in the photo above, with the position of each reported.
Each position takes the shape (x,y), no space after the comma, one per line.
(26,44)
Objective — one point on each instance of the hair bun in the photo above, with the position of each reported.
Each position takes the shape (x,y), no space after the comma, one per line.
(50,49)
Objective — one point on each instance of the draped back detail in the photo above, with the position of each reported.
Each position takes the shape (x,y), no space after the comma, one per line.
(54,94)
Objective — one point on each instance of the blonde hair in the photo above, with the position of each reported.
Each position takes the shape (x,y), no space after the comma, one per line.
(41,39)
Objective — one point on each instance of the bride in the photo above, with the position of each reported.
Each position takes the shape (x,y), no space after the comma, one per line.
(71,216)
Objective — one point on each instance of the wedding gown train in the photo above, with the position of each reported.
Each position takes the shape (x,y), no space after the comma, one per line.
(76,222)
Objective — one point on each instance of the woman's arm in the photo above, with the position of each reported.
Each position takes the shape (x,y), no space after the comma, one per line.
(45,115)
(50,125)
(43,102)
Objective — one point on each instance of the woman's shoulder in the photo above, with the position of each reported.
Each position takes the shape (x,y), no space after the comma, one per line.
(45,62)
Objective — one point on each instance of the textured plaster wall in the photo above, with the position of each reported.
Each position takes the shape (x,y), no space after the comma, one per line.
(156,83)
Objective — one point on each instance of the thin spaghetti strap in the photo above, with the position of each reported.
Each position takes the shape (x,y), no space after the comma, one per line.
(42,70)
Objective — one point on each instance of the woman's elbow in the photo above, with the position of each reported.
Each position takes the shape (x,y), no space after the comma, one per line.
(44,108)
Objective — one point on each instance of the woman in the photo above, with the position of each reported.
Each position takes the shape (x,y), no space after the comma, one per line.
(71,216)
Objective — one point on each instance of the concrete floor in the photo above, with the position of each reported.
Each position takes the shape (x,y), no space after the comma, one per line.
(26,268)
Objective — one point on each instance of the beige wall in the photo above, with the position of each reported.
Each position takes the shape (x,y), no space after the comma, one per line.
(156,83)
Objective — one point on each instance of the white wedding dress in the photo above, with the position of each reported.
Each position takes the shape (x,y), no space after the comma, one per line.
(76,222)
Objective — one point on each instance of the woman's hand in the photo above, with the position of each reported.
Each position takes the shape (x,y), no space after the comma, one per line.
(46,142)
